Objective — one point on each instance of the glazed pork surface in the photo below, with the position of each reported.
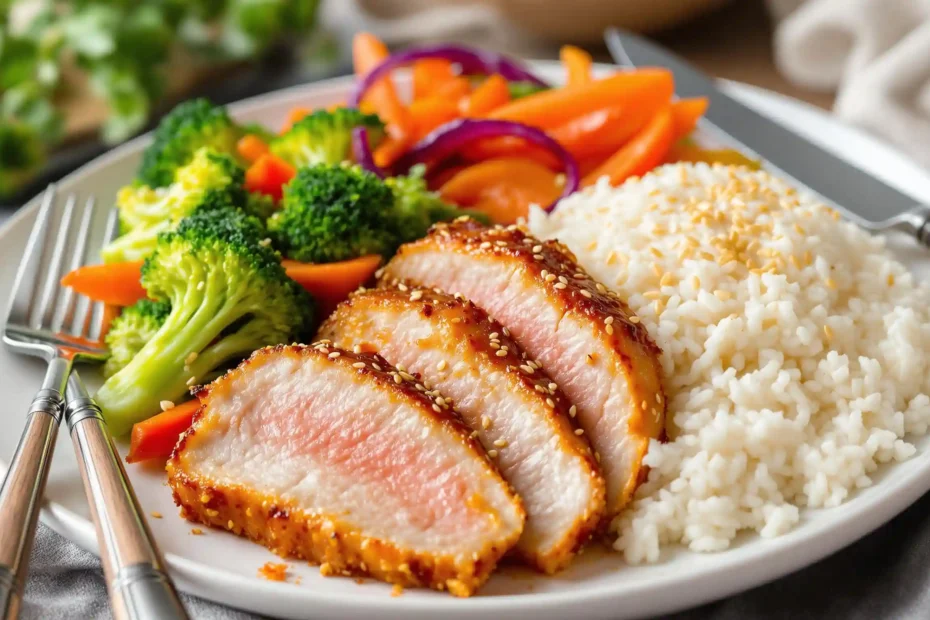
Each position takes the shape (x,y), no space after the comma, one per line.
(517,412)
(584,336)
(338,458)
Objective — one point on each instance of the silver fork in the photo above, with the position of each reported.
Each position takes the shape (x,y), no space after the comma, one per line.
(51,322)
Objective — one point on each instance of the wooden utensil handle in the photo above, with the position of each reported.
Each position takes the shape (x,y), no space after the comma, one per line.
(23,486)
(137,579)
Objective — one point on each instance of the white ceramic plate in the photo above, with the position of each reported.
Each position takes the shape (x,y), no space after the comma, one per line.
(222,567)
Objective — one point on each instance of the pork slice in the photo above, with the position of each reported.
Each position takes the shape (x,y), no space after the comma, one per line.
(584,336)
(522,418)
(337,458)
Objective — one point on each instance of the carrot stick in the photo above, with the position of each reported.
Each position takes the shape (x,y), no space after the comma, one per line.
(509,146)
(577,63)
(502,188)
(110,312)
(686,113)
(112,283)
(550,108)
(293,116)
(250,147)
(643,153)
(367,53)
(453,89)
(331,283)
(429,113)
(389,150)
(156,437)
(491,94)
(268,175)
(428,74)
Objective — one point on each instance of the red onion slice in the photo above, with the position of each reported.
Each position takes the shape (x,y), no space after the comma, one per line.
(447,139)
(361,149)
(473,61)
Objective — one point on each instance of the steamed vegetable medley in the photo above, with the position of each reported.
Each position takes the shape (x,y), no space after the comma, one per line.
(233,237)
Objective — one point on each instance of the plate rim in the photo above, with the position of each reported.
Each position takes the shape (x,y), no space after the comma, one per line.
(738,569)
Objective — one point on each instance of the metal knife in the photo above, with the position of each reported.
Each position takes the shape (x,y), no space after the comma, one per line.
(864,199)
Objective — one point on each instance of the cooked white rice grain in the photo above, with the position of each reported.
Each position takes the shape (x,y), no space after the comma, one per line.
(796,349)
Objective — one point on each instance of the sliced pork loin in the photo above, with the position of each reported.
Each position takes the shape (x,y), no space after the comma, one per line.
(515,410)
(338,458)
(585,337)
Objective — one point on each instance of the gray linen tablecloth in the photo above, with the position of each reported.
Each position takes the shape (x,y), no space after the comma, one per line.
(884,575)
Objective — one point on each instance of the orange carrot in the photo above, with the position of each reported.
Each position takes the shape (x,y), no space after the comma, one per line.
(110,312)
(550,108)
(686,113)
(577,63)
(268,175)
(428,74)
(293,116)
(453,89)
(429,113)
(367,53)
(250,147)
(156,437)
(112,283)
(502,188)
(641,154)
(510,146)
(389,150)
(331,283)
(490,95)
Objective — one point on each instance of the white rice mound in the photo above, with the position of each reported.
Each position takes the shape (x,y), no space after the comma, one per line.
(796,350)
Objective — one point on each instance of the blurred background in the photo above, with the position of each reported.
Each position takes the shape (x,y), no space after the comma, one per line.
(80,76)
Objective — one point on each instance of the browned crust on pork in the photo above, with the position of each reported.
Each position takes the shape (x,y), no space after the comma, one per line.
(463,321)
(555,266)
(335,544)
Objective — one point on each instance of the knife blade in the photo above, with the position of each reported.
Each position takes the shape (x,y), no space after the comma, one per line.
(866,200)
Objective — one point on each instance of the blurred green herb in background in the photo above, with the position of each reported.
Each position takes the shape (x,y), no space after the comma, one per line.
(124,48)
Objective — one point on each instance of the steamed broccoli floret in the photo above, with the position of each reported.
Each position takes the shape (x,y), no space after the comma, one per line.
(188,127)
(417,208)
(21,156)
(324,137)
(209,181)
(130,331)
(229,295)
(332,213)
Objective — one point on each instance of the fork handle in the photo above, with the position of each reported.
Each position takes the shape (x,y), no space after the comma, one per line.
(137,581)
(24,484)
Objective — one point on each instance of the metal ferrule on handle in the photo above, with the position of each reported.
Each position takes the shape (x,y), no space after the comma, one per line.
(21,494)
(138,584)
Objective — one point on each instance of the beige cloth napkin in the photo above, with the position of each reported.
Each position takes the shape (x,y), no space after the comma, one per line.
(874,53)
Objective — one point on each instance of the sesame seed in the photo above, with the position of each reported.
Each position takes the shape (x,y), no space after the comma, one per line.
(609,320)
(586,293)
(441,365)
(358,365)
(406,376)
(485,422)
(538,256)
(376,366)
(609,329)
(658,398)
(197,531)
(485,245)
(416,295)
(357,349)
(553,386)
(397,378)
(473,434)
(550,277)
(192,381)
(527,369)
(634,319)
(156,515)
(506,332)
(492,454)
(572,410)
(540,389)
(166,405)
(501,353)
(437,408)
(550,402)
(579,431)
(501,244)
(544,273)
(334,355)
(537,249)
(403,287)
(230,525)
(501,443)
(563,279)
(559,285)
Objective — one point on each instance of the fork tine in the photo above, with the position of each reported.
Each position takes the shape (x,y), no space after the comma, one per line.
(94,327)
(112,227)
(53,273)
(66,297)
(27,275)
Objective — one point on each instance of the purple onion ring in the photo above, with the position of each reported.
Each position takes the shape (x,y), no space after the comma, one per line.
(472,61)
(361,149)
(447,139)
